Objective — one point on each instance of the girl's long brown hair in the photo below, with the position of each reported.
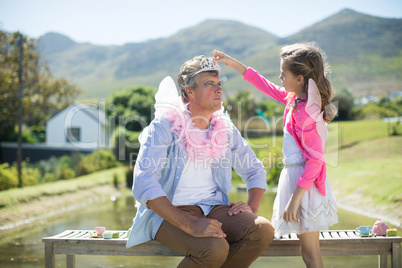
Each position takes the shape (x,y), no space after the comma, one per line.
(310,62)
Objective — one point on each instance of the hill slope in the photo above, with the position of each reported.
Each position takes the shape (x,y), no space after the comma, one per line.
(365,53)
(350,34)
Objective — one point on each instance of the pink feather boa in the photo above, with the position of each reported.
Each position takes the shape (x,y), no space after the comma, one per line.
(212,146)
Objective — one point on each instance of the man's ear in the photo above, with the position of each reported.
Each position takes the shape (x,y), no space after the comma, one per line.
(188,90)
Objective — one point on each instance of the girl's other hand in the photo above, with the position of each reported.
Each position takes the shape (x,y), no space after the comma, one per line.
(290,212)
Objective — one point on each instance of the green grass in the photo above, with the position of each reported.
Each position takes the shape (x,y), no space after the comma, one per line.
(17,196)
(347,133)
(372,168)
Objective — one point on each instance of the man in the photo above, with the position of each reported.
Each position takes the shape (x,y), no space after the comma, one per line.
(183,175)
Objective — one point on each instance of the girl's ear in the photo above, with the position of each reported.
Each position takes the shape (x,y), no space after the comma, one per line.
(300,79)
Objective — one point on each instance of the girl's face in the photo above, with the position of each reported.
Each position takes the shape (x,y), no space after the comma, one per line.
(290,82)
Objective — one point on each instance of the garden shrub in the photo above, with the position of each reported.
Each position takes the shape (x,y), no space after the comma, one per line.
(48,166)
(66,173)
(48,177)
(396,129)
(54,168)
(98,160)
(30,176)
(64,168)
(8,178)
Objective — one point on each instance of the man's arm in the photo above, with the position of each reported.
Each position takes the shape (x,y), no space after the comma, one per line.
(254,198)
(252,205)
(185,221)
(251,170)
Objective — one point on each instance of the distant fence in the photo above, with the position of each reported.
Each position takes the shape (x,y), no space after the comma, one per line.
(37,152)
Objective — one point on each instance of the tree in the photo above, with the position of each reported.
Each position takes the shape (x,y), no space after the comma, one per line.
(242,106)
(130,111)
(344,100)
(42,94)
(131,108)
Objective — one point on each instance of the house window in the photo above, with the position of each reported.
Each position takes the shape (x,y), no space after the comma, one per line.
(73,134)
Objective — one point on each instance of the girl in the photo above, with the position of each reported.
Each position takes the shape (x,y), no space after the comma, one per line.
(305,202)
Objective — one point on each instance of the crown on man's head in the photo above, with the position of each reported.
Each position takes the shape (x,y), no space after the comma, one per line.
(209,65)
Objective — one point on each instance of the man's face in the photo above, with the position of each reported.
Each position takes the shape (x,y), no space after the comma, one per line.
(207,96)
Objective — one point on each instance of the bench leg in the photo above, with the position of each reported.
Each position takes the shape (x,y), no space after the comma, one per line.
(396,255)
(382,261)
(70,261)
(49,256)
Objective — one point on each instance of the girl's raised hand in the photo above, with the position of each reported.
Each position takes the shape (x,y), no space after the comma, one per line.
(219,56)
(229,61)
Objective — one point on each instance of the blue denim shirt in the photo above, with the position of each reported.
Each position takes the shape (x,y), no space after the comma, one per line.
(159,166)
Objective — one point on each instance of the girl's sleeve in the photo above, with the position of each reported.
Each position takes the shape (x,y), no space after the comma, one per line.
(313,151)
(262,84)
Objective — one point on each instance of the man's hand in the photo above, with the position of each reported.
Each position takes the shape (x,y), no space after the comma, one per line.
(185,221)
(206,228)
(236,208)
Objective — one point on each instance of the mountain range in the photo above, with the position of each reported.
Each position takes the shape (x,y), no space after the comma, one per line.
(365,54)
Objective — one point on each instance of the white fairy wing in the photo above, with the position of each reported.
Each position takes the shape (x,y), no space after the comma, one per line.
(167,92)
(167,97)
(313,108)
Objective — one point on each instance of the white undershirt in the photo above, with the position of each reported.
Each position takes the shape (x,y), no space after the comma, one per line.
(196,182)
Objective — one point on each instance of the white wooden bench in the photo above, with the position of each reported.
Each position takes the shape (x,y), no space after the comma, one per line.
(332,242)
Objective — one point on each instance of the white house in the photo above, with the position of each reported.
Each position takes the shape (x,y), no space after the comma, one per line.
(78,125)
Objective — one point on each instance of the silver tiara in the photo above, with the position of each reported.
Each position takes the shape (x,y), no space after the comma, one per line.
(209,65)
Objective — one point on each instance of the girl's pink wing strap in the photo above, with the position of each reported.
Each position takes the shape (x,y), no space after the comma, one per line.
(313,109)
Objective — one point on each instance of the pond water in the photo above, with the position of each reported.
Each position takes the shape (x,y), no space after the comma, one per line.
(23,248)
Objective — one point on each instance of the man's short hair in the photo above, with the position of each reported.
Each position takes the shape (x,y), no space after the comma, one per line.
(188,73)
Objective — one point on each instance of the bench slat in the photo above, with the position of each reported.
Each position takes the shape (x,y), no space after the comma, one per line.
(326,235)
(293,236)
(343,234)
(332,243)
(351,234)
(335,235)
(66,232)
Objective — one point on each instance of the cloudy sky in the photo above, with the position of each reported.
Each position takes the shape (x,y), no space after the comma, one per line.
(116,22)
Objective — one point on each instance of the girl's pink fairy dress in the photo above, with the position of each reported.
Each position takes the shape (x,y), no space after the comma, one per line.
(304,140)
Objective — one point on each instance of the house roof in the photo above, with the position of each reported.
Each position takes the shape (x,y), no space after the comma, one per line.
(91,111)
